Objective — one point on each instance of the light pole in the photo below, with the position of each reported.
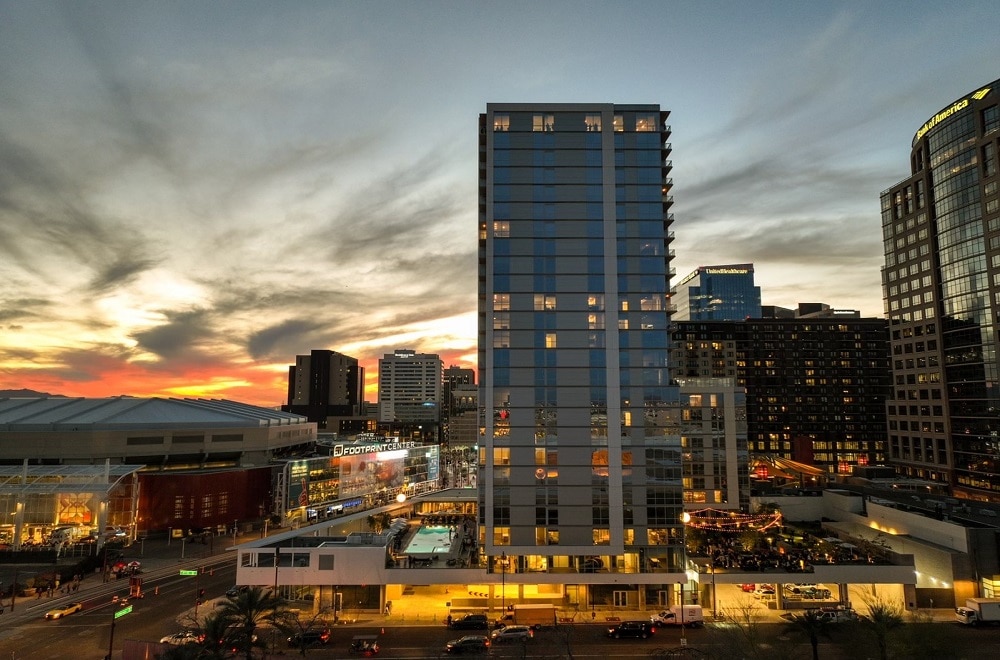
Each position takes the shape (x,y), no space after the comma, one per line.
(503,584)
(712,565)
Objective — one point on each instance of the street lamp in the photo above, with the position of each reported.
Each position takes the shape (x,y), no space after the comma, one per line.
(503,584)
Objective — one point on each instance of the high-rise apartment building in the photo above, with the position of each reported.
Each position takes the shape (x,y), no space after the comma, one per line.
(580,464)
(410,387)
(816,387)
(460,412)
(717,293)
(328,388)
(941,283)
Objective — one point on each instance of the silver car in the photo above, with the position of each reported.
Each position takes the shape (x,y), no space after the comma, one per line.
(512,634)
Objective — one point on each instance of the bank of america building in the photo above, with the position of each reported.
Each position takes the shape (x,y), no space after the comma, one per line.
(580,458)
(941,232)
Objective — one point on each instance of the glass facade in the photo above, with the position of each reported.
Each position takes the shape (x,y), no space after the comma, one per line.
(365,473)
(581,454)
(941,284)
(717,293)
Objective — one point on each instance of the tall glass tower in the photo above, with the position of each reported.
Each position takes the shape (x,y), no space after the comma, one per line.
(941,283)
(717,293)
(580,461)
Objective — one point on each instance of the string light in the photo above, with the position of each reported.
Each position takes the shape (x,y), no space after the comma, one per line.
(732,521)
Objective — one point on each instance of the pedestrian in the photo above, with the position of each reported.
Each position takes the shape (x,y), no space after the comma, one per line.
(449,621)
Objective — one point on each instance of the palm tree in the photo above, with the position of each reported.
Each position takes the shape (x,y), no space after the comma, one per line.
(883,618)
(216,644)
(810,623)
(244,612)
(379,522)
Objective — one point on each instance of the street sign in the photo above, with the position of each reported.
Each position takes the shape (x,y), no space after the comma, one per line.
(123,611)
(188,572)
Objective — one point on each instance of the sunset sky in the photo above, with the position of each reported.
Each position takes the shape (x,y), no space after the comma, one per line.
(191,194)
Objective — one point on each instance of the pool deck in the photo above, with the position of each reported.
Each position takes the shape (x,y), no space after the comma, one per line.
(428,544)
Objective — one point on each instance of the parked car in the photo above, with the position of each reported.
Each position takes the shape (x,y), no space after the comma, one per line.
(512,634)
(181,638)
(470,622)
(309,638)
(640,629)
(65,610)
(816,591)
(763,590)
(468,644)
(748,588)
(234,591)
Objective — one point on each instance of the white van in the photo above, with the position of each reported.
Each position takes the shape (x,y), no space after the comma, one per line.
(677,615)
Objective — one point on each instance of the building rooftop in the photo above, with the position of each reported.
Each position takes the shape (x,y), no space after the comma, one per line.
(123,412)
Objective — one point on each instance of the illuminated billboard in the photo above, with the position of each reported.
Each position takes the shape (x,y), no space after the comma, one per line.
(359,469)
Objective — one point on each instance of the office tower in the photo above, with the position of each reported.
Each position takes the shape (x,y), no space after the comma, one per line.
(324,385)
(816,386)
(941,283)
(410,388)
(580,464)
(717,293)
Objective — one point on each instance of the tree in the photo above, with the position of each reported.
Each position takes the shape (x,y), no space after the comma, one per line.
(244,612)
(883,618)
(288,623)
(741,632)
(813,626)
(215,645)
(379,522)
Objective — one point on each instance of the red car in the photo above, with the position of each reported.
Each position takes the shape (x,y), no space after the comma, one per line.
(748,588)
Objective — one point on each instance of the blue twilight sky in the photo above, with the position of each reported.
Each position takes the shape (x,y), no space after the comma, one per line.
(193,193)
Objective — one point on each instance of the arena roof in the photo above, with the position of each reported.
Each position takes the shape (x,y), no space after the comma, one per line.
(123,412)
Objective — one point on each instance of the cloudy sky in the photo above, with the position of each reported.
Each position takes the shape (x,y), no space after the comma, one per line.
(191,194)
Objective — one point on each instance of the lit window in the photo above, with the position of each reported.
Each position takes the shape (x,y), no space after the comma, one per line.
(501,229)
(619,123)
(550,340)
(540,123)
(501,536)
(545,302)
(593,123)
(645,122)
(501,122)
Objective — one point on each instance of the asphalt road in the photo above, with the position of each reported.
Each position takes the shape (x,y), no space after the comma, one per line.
(85,635)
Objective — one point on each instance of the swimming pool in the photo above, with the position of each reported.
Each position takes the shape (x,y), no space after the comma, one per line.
(430,540)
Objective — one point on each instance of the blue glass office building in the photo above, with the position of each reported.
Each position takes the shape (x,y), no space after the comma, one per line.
(717,293)
(580,460)
(941,282)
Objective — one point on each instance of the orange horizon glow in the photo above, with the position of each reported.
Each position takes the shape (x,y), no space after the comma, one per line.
(264,385)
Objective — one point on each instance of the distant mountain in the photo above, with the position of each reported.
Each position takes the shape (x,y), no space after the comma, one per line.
(8,394)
